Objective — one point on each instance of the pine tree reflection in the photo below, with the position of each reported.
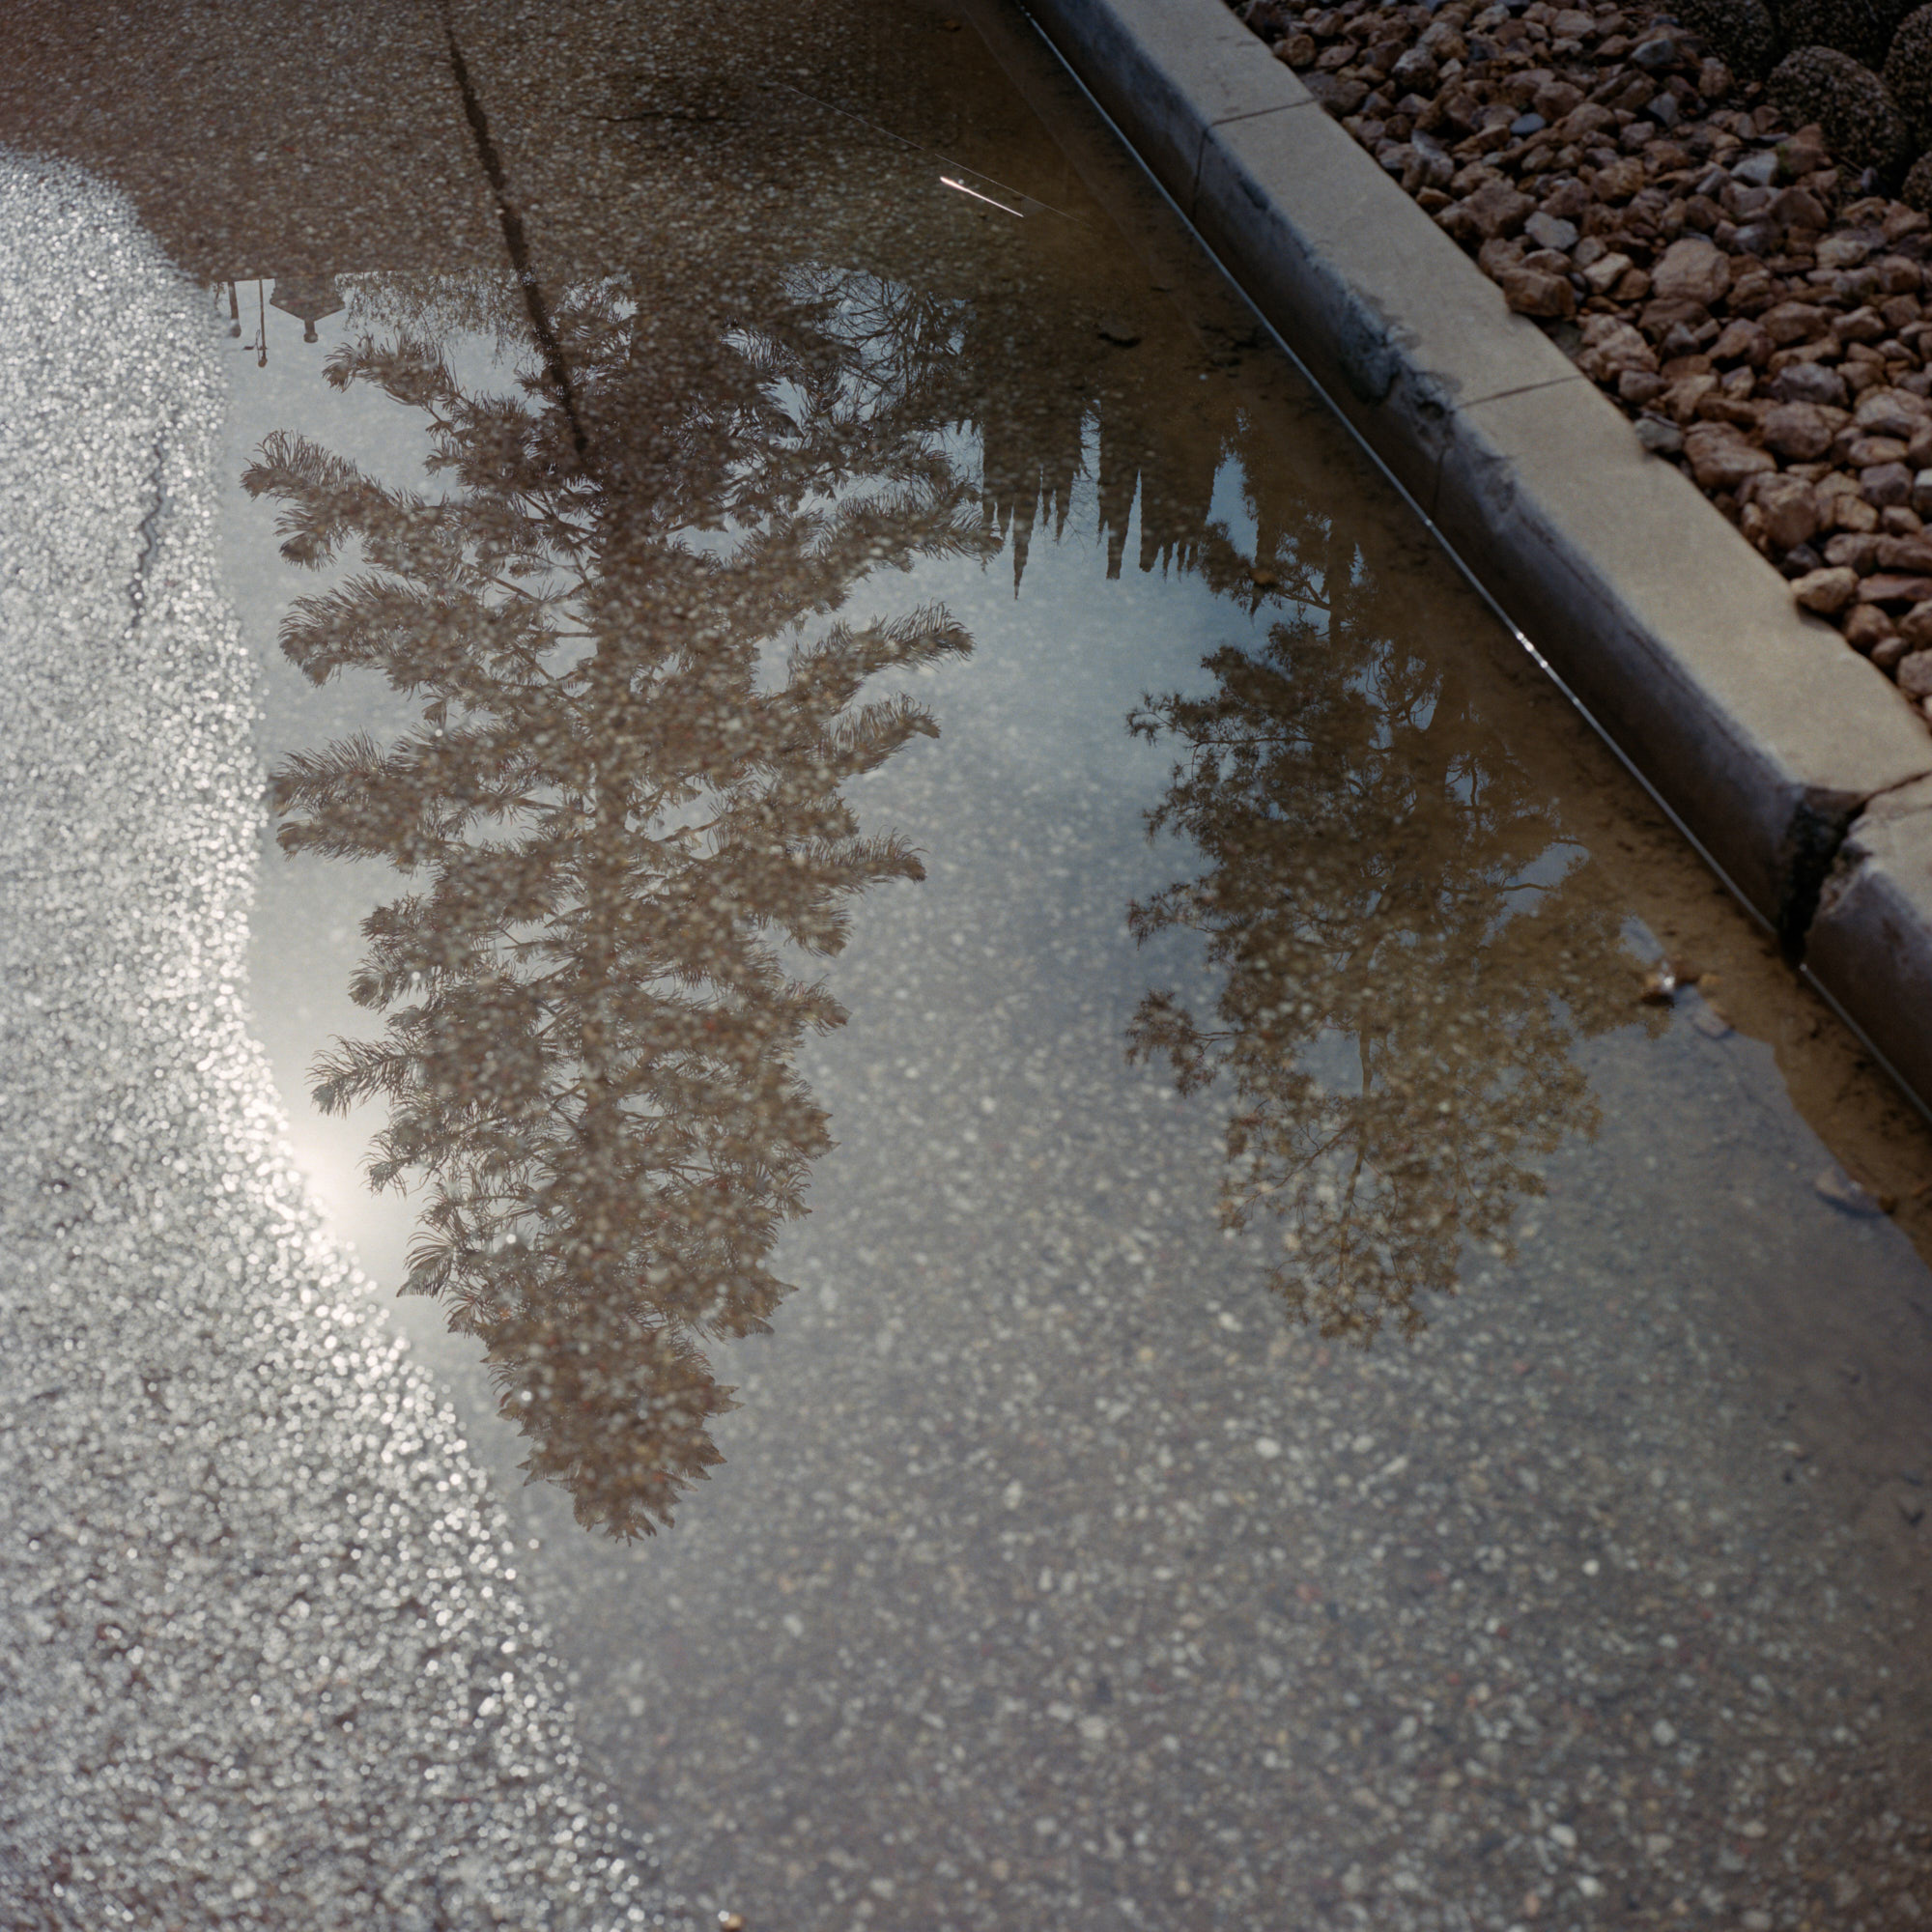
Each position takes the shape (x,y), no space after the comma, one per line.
(1408,955)
(619,800)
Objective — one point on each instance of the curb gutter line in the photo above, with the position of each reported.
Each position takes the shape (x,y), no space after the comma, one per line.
(1752,722)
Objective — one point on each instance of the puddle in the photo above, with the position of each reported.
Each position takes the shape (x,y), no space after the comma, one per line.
(1214,1283)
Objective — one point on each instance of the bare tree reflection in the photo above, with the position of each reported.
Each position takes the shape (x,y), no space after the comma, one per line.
(618,800)
(1407,956)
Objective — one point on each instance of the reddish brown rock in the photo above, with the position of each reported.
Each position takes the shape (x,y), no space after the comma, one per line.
(1715,406)
(1498,253)
(1867,452)
(1568,201)
(1580,123)
(1415,69)
(1665,314)
(1611,345)
(1800,432)
(1683,398)
(1743,341)
(1826,591)
(1339,96)
(1867,627)
(1798,208)
(1854,549)
(1605,273)
(1619,181)
(1497,209)
(1546,260)
(1808,383)
(1885,589)
(1893,412)
(1532,292)
(1908,554)
(1720,459)
(1885,483)
(1788,508)
(1693,269)
(1792,322)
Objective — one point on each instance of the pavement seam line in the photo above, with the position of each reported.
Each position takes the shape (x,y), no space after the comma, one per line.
(1257,113)
(1522,390)
(510,220)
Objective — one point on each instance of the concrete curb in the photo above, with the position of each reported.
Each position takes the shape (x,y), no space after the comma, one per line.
(1874,928)
(1751,721)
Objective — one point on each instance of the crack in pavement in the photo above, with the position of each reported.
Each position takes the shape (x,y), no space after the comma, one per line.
(150,534)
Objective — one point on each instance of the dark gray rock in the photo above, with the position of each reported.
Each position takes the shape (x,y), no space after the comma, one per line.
(1808,383)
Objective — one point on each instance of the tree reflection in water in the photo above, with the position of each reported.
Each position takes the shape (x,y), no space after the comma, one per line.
(618,801)
(1408,953)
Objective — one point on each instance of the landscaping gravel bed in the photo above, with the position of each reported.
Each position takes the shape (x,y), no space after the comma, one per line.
(1728,245)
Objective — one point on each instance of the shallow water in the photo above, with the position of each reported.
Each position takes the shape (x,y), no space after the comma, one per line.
(1314,1388)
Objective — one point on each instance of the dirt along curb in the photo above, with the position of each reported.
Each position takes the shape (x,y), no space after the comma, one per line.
(1751,721)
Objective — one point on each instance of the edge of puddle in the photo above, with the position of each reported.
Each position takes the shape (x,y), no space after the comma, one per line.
(1789,762)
